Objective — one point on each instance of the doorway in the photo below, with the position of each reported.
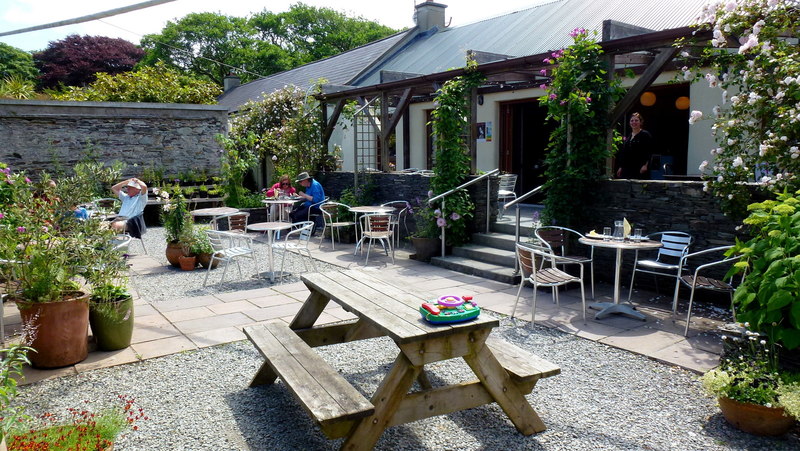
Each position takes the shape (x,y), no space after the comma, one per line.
(523,140)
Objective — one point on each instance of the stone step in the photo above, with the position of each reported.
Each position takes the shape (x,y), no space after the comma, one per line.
(496,240)
(508,228)
(486,254)
(466,265)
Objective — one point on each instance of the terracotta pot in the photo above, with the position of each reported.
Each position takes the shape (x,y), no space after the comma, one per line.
(754,418)
(188,262)
(174,251)
(60,330)
(112,323)
(205,260)
(425,248)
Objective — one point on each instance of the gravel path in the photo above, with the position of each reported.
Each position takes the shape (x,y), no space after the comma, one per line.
(604,399)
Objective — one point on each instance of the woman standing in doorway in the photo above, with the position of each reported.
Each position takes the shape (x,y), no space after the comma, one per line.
(633,160)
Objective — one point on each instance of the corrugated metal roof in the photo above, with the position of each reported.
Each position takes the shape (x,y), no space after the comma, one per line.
(535,30)
(338,70)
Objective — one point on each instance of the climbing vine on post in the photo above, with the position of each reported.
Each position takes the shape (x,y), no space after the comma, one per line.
(451,125)
(578,98)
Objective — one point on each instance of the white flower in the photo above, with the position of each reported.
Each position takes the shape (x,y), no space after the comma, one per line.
(731,141)
(753,98)
(716,110)
(695,116)
(748,44)
(730,6)
(712,80)
(274,158)
(737,161)
(724,97)
(703,165)
(762,149)
(720,179)
(705,187)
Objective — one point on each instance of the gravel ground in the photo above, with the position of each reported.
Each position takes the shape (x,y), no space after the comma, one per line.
(604,399)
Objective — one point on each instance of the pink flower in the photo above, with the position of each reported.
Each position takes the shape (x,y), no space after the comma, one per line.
(27,180)
(441,222)
(455,216)
(563,102)
(543,71)
(588,99)
(546,60)
(543,86)
(21,229)
(552,96)
(2,216)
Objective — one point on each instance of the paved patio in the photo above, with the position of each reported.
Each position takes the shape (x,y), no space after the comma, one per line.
(170,327)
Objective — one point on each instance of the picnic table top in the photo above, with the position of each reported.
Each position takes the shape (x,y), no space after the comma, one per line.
(393,310)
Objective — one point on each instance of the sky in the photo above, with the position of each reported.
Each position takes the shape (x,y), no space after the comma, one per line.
(17,14)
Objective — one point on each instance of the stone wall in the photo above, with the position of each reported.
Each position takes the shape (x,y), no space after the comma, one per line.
(176,138)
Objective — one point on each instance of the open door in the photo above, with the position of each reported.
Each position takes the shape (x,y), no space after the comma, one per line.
(523,140)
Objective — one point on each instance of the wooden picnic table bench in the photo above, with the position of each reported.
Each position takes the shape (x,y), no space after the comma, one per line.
(505,373)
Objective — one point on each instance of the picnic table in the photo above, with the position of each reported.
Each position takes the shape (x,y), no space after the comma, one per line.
(505,373)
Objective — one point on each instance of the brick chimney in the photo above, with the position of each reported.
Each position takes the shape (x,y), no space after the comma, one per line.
(429,14)
(230,82)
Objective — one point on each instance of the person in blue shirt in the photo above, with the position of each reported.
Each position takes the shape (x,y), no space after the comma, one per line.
(133,194)
(313,195)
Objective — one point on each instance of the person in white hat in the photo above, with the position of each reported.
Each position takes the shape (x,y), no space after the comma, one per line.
(133,195)
(314,194)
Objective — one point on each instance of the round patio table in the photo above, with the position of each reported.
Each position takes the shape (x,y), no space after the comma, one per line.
(282,213)
(215,211)
(607,308)
(270,228)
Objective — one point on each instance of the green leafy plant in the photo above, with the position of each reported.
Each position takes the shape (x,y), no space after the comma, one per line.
(13,359)
(769,296)
(451,124)
(199,243)
(81,430)
(578,99)
(363,194)
(174,215)
(749,373)
(755,123)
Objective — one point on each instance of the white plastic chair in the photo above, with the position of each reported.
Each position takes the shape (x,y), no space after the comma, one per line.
(376,226)
(505,192)
(675,246)
(302,231)
(539,276)
(331,213)
(229,247)
(695,280)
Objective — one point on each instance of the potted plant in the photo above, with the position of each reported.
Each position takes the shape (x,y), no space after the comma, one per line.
(111,316)
(753,394)
(177,221)
(201,247)
(81,429)
(426,238)
(46,250)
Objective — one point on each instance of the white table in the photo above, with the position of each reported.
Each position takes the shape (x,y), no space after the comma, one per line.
(608,308)
(282,215)
(269,228)
(366,210)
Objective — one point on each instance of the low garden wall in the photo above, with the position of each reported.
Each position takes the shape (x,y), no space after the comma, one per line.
(51,135)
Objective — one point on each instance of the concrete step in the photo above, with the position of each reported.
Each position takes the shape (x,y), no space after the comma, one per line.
(476,268)
(486,254)
(496,240)
(508,228)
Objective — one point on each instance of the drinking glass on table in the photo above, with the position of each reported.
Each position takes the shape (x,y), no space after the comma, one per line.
(637,235)
(606,233)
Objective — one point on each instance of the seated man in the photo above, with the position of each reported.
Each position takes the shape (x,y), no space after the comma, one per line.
(314,194)
(133,194)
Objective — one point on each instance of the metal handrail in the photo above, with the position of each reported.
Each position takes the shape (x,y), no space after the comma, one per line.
(518,219)
(462,186)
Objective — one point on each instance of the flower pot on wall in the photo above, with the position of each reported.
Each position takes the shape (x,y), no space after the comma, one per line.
(112,324)
(60,330)
(188,262)
(754,418)
(173,252)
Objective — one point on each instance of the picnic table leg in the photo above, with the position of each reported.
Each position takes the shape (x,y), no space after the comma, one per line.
(504,391)
(386,401)
(264,376)
(310,311)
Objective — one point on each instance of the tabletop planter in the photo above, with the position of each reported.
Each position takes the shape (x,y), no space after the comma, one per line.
(111,317)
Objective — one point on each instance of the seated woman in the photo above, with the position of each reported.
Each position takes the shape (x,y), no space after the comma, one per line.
(133,194)
(283,187)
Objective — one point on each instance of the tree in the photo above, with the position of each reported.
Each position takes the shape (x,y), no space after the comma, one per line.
(206,45)
(210,45)
(74,60)
(310,34)
(16,62)
(158,84)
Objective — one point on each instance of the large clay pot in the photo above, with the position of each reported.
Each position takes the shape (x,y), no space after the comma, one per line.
(754,418)
(112,323)
(174,252)
(60,330)
(425,248)
(205,261)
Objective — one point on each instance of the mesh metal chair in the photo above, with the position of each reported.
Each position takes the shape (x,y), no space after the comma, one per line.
(332,213)
(302,231)
(229,247)
(561,241)
(695,280)
(538,275)
(399,216)
(376,227)
(505,192)
(675,246)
